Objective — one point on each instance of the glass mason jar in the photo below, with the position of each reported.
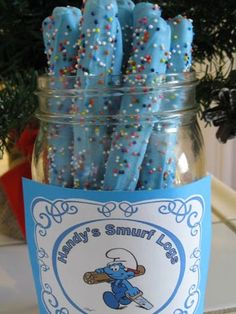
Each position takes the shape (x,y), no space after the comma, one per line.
(136,212)
(131,133)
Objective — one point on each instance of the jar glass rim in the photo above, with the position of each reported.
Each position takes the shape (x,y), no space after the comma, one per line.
(47,83)
(71,99)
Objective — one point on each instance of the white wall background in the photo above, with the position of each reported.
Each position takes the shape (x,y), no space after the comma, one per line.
(221,158)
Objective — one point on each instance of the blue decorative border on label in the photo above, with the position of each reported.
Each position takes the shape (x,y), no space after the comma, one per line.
(181,205)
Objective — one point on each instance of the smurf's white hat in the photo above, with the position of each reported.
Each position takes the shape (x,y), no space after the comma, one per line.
(124,256)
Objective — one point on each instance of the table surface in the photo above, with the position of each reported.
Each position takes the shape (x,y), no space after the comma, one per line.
(17,294)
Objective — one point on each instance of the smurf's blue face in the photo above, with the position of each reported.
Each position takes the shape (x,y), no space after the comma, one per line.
(118,271)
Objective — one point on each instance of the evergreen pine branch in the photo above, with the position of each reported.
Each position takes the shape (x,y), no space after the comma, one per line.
(21,50)
(21,42)
(216,77)
(17,105)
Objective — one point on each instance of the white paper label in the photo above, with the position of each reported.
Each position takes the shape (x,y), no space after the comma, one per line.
(137,257)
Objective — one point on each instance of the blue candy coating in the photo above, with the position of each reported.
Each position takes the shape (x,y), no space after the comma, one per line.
(125,3)
(101,39)
(151,44)
(100,56)
(146,9)
(125,16)
(159,166)
(181,44)
(60,33)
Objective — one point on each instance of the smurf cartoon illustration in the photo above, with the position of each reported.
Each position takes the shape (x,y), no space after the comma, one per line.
(118,273)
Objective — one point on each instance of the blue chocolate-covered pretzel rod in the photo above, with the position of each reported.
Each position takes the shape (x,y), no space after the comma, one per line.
(60,33)
(99,58)
(181,44)
(159,166)
(150,53)
(125,16)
